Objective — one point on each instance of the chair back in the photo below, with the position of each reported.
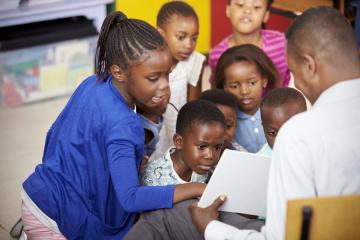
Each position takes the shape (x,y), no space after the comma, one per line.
(324,218)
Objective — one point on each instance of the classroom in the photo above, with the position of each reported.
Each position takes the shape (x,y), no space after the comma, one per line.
(180,119)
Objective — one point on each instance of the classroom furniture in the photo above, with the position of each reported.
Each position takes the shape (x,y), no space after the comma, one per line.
(47,48)
(324,218)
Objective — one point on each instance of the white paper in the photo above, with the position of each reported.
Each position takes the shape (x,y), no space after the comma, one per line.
(243,178)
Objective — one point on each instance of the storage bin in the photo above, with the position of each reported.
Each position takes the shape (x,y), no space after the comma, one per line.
(44,60)
(45,71)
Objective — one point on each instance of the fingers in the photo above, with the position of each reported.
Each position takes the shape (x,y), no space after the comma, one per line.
(218,202)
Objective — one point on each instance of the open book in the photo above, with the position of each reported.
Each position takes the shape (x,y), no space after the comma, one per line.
(243,178)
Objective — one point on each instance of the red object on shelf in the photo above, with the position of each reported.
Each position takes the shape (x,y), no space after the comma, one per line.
(11,96)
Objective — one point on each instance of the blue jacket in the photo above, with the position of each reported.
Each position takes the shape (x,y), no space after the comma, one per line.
(88,182)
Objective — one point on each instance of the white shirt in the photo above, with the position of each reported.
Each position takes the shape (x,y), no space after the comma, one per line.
(316,153)
(185,72)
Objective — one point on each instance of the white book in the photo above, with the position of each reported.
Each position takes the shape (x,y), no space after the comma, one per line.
(242,177)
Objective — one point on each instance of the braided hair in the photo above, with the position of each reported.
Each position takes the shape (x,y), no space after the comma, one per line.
(174,7)
(123,41)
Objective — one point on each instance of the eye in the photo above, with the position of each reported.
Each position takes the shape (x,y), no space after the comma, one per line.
(219,147)
(180,37)
(201,147)
(194,39)
(272,133)
(253,82)
(234,85)
(153,78)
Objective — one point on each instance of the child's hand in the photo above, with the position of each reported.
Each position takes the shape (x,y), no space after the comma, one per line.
(201,217)
(144,161)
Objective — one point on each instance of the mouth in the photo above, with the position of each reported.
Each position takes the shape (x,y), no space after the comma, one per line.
(246,101)
(204,167)
(161,100)
(245,19)
(185,55)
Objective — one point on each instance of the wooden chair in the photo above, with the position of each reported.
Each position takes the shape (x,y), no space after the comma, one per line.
(324,218)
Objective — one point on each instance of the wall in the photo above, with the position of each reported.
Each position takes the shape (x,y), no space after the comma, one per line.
(149,9)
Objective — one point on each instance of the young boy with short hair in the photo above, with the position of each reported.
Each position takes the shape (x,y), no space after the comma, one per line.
(227,104)
(278,106)
(199,140)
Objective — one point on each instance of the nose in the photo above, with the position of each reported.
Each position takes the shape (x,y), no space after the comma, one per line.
(244,89)
(247,9)
(188,43)
(210,154)
(164,82)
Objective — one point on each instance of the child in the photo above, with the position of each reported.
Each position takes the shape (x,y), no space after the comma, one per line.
(247,18)
(227,104)
(199,139)
(178,24)
(152,121)
(278,106)
(87,186)
(247,72)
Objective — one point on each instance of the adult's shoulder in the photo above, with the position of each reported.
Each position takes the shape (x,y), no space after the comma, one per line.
(301,124)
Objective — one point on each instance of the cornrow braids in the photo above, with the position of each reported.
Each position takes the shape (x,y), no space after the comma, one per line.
(124,41)
(174,7)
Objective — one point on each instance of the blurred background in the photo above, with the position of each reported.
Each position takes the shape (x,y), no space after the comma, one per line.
(47,48)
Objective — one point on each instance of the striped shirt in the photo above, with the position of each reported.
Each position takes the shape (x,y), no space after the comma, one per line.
(274,44)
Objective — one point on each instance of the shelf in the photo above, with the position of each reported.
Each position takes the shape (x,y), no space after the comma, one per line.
(92,9)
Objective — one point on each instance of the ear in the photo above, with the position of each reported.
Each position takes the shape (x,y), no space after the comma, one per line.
(161,31)
(118,73)
(309,66)
(178,141)
(266,16)
(264,82)
(228,10)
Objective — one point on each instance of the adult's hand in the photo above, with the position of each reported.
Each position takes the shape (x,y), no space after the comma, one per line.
(202,216)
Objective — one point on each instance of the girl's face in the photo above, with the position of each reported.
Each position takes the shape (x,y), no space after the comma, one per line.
(230,118)
(201,146)
(247,16)
(181,35)
(244,81)
(147,83)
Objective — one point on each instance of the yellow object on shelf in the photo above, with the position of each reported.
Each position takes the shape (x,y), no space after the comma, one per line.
(149,8)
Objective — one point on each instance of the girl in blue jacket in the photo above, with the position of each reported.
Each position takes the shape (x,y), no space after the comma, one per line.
(87,186)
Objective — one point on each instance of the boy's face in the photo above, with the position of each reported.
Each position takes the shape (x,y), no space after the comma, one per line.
(201,146)
(274,117)
(181,35)
(230,118)
(247,16)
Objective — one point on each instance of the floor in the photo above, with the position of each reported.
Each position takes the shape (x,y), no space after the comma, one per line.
(22,134)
